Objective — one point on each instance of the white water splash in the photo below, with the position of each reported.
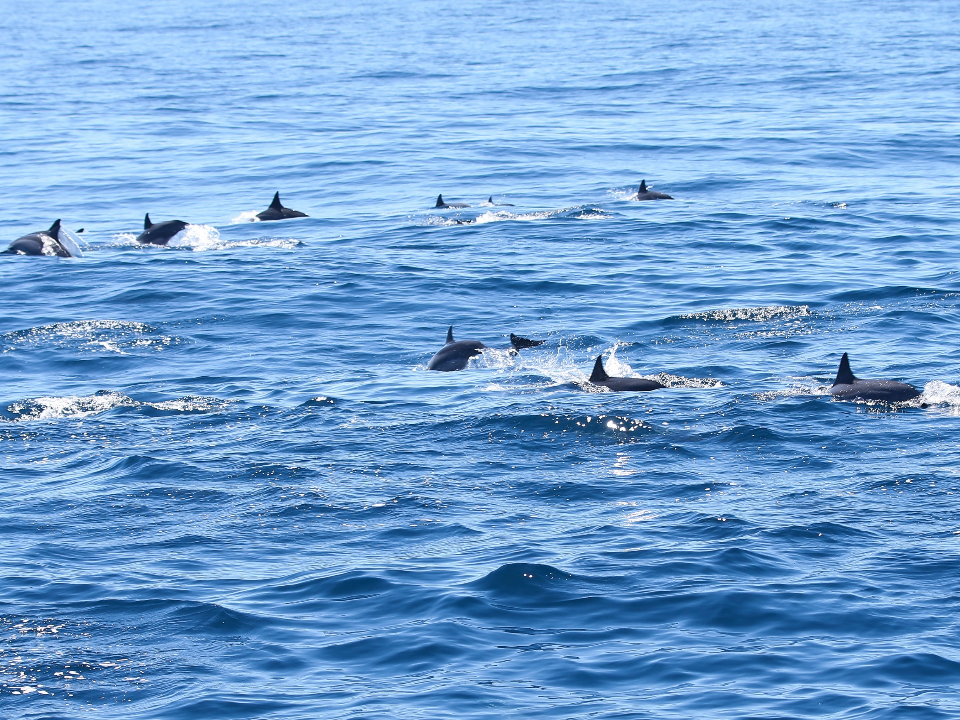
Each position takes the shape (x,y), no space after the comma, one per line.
(944,395)
(247,216)
(756,314)
(114,336)
(51,408)
(625,193)
(801,386)
(197,237)
(123,239)
(493,216)
(189,404)
(70,241)
(504,215)
(562,367)
(201,238)
(77,407)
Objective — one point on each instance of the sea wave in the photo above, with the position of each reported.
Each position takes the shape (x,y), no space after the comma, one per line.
(82,406)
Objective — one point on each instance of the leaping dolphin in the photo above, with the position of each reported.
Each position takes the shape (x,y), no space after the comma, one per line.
(442,204)
(51,240)
(620,384)
(159,233)
(457,353)
(644,194)
(276,211)
(848,387)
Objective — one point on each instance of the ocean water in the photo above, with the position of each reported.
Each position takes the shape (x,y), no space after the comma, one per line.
(229,488)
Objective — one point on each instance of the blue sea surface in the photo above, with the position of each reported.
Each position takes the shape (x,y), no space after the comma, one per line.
(229,487)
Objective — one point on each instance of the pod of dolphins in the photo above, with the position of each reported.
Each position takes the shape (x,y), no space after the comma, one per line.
(456,354)
(53,242)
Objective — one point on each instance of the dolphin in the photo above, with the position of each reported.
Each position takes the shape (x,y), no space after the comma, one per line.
(620,384)
(276,211)
(455,354)
(644,194)
(491,202)
(51,240)
(848,387)
(159,233)
(442,204)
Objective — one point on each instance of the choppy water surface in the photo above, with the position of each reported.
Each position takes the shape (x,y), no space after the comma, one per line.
(231,489)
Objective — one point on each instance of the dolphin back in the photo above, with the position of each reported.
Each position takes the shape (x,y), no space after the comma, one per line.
(883,390)
(27,245)
(277,211)
(160,233)
(54,241)
(631,384)
(645,193)
(620,384)
(455,355)
(520,343)
(849,387)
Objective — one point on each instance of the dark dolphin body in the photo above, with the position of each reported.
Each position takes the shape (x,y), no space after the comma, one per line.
(644,194)
(441,204)
(276,211)
(620,384)
(500,204)
(457,353)
(848,387)
(32,244)
(159,233)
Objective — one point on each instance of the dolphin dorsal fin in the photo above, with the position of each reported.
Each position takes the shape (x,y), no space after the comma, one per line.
(490,200)
(643,187)
(275,205)
(844,373)
(450,334)
(599,374)
(440,202)
(146,222)
(54,230)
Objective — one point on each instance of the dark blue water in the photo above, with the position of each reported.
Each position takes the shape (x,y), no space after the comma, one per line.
(229,487)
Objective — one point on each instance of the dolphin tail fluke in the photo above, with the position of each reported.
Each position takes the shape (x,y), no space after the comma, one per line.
(440,202)
(599,374)
(54,230)
(844,373)
(146,222)
(643,187)
(450,334)
(275,205)
(521,342)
